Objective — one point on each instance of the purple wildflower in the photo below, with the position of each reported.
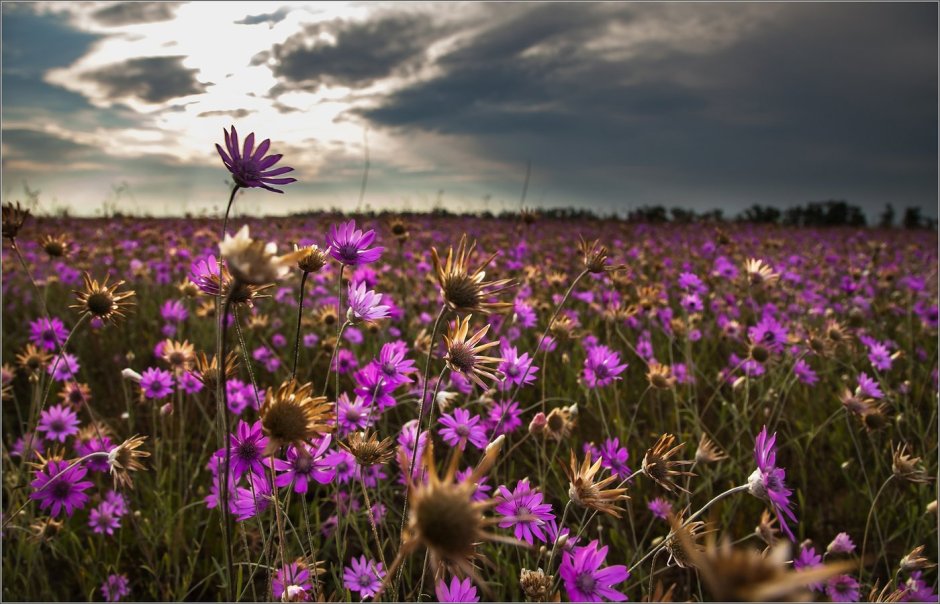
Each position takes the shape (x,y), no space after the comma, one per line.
(393,364)
(115,587)
(602,366)
(47,333)
(614,458)
(523,511)
(504,417)
(58,423)
(516,368)
(586,581)
(103,519)
(880,356)
(205,274)
(63,367)
(841,544)
(660,508)
(364,305)
(363,576)
(351,415)
(350,245)
(767,481)
(458,591)
(293,578)
(843,588)
(344,464)
(95,445)
(808,558)
(869,387)
(60,487)
(250,502)
(156,383)
(250,167)
(246,446)
(301,467)
(460,427)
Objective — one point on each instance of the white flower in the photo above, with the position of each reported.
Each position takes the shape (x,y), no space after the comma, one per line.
(253,262)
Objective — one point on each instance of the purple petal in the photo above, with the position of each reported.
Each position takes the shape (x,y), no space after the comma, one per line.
(269,161)
(277,171)
(249,145)
(262,149)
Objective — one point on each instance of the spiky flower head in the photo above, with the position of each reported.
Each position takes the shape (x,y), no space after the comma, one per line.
(695,530)
(589,494)
(180,356)
(759,273)
(101,301)
(14,216)
(55,246)
(708,451)
(466,290)
(559,423)
(660,376)
(124,459)
(291,415)
(207,370)
(33,359)
(659,465)
(310,259)
(463,354)
(594,256)
(537,586)
(907,467)
(368,449)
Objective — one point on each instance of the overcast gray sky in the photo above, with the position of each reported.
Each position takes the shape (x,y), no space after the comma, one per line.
(617,105)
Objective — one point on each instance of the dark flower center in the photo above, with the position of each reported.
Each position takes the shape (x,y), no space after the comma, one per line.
(248,451)
(601,371)
(462,358)
(61,489)
(513,371)
(349,253)
(57,425)
(100,303)
(585,583)
(462,430)
(365,580)
(303,464)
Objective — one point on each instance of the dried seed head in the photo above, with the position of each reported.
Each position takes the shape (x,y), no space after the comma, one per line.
(589,494)
(465,290)
(660,376)
(708,451)
(291,415)
(310,259)
(559,424)
(659,465)
(13,218)
(915,561)
(180,356)
(536,585)
(368,449)
(123,459)
(207,370)
(101,301)
(55,246)
(907,467)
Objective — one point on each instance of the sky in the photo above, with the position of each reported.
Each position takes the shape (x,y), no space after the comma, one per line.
(113,105)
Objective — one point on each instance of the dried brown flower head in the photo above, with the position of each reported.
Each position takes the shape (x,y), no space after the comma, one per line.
(559,424)
(75,394)
(759,273)
(33,359)
(708,451)
(55,246)
(678,555)
(464,290)
(101,301)
(915,560)
(207,370)
(660,376)
(594,256)
(589,494)
(659,465)
(908,467)
(14,216)
(328,317)
(463,354)
(767,529)
(180,356)
(258,321)
(124,459)
(291,415)
(368,449)
(743,574)
(399,230)
(310,259)
(537,586)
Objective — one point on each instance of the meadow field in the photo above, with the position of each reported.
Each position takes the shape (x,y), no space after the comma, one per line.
(461,408)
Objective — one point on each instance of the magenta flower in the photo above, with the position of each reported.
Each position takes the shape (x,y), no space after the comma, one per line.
(364,305)
(458,591)
(523,511)
(301,467)
(250,167)
(767,481)
(586,581)
(869,387)
(880,356)
(246,446)
(48,333)
(614,458)
(58,423)
(252,501)
(375,387)
(350,245)
(63,367)
(345,465)
(95,445)
(660,508)
(293,578)
(363,576)
(518,370)
(351,415)
(393,364)
(156,383)
(504,417)
(205,274)
(841,544)
(843,588)
(460,427)
(808,558)
(602,366)
(115,587)
(103,519)
(59,487)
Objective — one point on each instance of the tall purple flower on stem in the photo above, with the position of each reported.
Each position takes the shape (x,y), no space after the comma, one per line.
(247,446)
(363,576)
(523,511)
(602,366)
(364,305)
(250,167)
(457,591)
(350,245)
(586,581)
(767,481)
(517,368)
(47,333)
(60,487)
(303,466)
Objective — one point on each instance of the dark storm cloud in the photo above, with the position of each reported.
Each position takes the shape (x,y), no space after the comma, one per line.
(35,145)
(129,13)
(838,97)
(151,79)
(363,52)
